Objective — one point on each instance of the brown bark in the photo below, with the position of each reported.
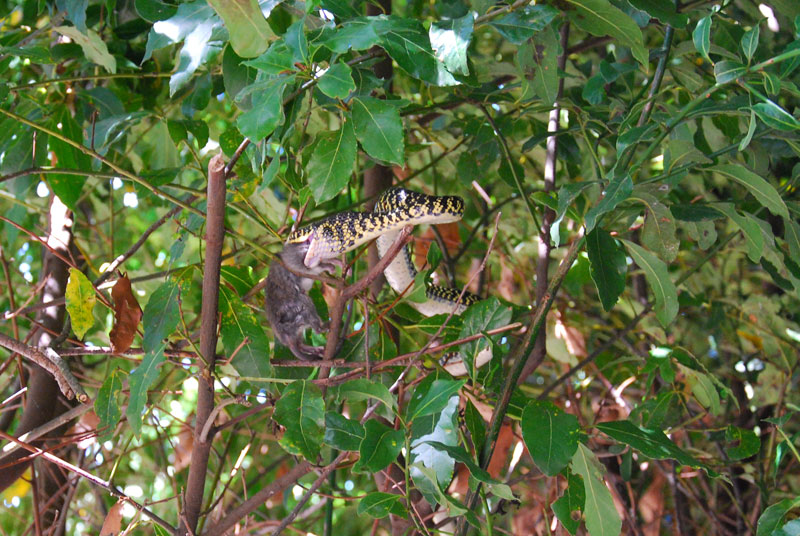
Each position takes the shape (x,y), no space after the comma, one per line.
(44,400)
(215,233)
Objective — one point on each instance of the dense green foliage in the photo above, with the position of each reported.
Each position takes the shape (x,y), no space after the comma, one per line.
(671,167)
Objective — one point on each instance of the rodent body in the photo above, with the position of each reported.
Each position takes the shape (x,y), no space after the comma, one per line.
(289,309)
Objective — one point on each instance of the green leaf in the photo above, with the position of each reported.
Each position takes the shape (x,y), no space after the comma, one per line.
(154,10)
(363,389)
(520,25)
(431,397)
(342,433)
(572,500)
(242,333)
(695,213)
(607,266)
(297,42)
(337,82)
(652,443)
(140,380)
(655,271)
(331,163)
(380,447)
(267,111)
(751,129)
(81,299)
(749,42)
(450,40)
(703,389)
(68,188)
(775,117)
(763,191)
(475,424)
(106,405)
(703,232)
(460,455)
(773,516)
(726,71)
(633,136)
(702,37)
(248,29)
(277,60)
(160,316)
(193,23)
(567,195)
(658,233)
(601,515)
(663,11)
(444,432)
(748,443)
(301,411)
(537,62)
(750,229)
(379,129)
(617,191)
(550,434)
(378,505)
(92,45)
(360,33)
(600,18)
(483,316)
(160,319)
(407,42)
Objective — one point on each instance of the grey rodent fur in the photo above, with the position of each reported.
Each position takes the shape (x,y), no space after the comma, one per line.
(289,309)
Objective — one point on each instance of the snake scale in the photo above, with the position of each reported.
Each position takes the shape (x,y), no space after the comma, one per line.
(317,247)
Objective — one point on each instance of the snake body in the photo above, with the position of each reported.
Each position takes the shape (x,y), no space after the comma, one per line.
(324,241)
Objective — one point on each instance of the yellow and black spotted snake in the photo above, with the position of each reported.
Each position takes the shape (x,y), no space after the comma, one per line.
(395,209)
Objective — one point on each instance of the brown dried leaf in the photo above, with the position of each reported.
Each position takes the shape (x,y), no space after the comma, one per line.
(127,315)
(651,505)
(576,343)
(86,428)
(113,523)
(450,237)
(507,288)
(183,449)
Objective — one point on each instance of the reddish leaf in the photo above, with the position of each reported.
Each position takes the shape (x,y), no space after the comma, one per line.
(127,315)
(113,523)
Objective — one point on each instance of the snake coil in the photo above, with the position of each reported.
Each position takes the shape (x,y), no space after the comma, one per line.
(396,208)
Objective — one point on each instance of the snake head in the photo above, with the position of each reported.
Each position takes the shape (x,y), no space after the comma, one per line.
(305,252)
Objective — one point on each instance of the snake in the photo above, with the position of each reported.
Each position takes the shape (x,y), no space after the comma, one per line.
(326,240)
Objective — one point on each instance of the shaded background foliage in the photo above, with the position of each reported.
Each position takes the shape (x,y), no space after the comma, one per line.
(658,140)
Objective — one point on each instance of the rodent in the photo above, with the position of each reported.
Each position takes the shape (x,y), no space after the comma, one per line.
(289,309)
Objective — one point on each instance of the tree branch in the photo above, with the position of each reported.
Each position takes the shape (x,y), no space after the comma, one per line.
(215,234)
